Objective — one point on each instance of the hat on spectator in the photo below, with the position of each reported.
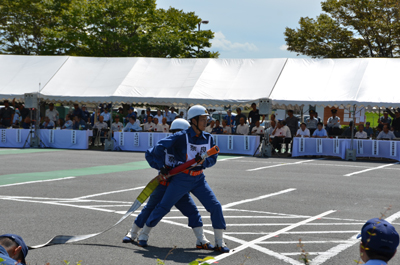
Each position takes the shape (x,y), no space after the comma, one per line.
(311,111)
(379,235)
(238,109)
(290,110)
(148,109)
(83,106)
(334,110)
(132,108)
(385,112)
(20,242)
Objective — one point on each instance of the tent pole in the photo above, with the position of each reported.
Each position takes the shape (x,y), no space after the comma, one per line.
(354,123)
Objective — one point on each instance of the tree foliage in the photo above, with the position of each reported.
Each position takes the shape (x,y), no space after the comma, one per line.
(102,28)
(349,28)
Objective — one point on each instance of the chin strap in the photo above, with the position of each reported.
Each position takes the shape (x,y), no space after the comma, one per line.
(196,125)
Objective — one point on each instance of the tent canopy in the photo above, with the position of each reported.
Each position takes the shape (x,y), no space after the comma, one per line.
(211,82)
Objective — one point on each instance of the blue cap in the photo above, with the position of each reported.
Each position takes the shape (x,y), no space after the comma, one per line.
(131,108)
(20,242)
(381,235)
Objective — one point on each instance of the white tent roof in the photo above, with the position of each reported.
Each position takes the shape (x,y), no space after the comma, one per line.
(288,82)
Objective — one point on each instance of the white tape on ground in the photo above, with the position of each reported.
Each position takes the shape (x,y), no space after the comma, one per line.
(284,164)
(229,158)
(369,169)
(36,181)
(107,193)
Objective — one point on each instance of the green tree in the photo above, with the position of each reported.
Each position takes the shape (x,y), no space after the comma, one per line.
(349,28)
(102,28)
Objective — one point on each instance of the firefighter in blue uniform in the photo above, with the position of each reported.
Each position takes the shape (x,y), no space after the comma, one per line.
(184,146)
(186,204)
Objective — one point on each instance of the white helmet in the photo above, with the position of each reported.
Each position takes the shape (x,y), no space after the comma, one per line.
(197,110)
(179,124)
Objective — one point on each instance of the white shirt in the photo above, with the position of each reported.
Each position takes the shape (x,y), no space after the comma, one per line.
(52,114)
(306,132)
(287,133)
(362,134)
(257,130)
(209,128)
(149,126)
(116,127)
(227,129)
(242,129)
(100,125)
(279,132)
(159,118)
(163,128)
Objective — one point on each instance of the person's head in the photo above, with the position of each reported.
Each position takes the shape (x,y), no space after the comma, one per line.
(21,106)
(46,119)
(148,111)
(257,123)
(84,107)
(172,110)
(254,106)
(130,110)
(179,124)
(132,119)
(312,114)
(290,113)
(334,112)
(6,104)
(385,114)
(351,124)
(303,126)
(320,125)
(155,120)
(106,110)
(242,121)
(379,240)
(28,120)
(101,118)
(217,123)
(361,127)
(224,123)
(273,123)
(149,119)
(15,247)
(166,108)
(51,106)
(159,112)
(239,110)
(78,118)
(76,106)
(367,124)
(273,117)
(386,128)
(279,124)
(198,115)
(229,112)
(116,119)
(164,121)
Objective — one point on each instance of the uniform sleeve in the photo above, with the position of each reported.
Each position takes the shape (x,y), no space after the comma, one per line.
(156,156)
(210,161)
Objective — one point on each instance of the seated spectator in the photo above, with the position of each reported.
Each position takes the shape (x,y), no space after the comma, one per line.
(242,128)
(76,111)
(86,114)
(217,129)
(368,129)
(278,136)
(106,115)
(117,125)
(155,121)
(163,127)
(379,242)
(239,116)
(273,119)
(6,114)
(132,126)
(15,121)
(68,123)
(384,120)
(210,127)
(159,117)
(148,114)
(312,122)
(347,132)
(320,132)
(47,124)
(303,131)
(385,133)
(361,134)
(395,123)
(60,122)
(149,125)
(257,129)
(13,250)
(79,124)
(226,128)
(99,126)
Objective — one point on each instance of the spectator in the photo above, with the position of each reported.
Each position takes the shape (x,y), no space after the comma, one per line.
(273,118)
(68,122)
(303,131)
(272,126)
(23,111)
(278,135)
(60,122)
(166,112)
(155,121)
(132,126)
(316,116)
(99,126)
(6,114)
(52,113)
(172,115)
(379,242)
(95,117)
(130,113)
(230,120)
(361,134)
(217,129)
(13,250)
(312,122)
(16,118)
(320,132)
(116,126)
(163,127)
(384,120)
(26,124)
(226,129)
(148,114)
(385,133)
(242,128)
(181,115)
(86,114)
(254,115)
(292,122)
(396,123)
(210,127)
(257,129)
(106,115)
(333,124)
(149,125)
(159,117)
(76,111)
(368,129)
(79,124)
(239,116)
(347,132)
(48,123)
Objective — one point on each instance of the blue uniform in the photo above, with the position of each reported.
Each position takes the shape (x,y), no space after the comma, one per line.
(5,258)
(184,146)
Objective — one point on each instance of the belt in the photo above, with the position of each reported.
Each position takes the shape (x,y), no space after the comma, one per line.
(193,173)
(164,183)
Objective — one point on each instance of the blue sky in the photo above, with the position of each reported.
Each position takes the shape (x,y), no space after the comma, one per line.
(249,28)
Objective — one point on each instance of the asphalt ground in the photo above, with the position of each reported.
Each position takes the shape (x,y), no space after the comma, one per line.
(269,204)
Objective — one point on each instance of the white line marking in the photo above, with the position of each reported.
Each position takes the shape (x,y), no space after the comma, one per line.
(107,193)
(283,230)
(339,248)
(284,164)
(241,217)
(36,181)
(299,253)
(304,242)
(369,169)
(229,158)
(294,233)
(285,224)
(257,198)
